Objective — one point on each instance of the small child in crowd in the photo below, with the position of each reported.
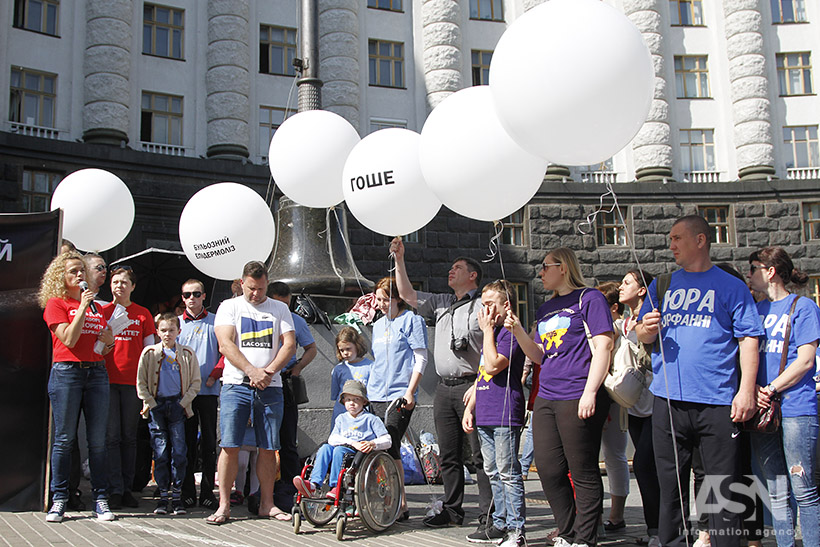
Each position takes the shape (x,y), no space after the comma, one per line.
(168,379)
(356,428)
(351,348)
(498,403)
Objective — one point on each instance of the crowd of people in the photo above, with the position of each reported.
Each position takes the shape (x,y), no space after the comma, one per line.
(716,351)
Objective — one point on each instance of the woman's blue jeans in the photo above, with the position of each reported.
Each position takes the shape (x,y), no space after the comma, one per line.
(71,388)
(167,427)
(786,461)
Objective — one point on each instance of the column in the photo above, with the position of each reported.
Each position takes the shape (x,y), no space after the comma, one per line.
(227,81)
(106,70)
(749,89)
(442,49)
(339,55)
(651,147)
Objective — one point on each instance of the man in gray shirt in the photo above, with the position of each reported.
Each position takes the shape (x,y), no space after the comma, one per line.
(457,352)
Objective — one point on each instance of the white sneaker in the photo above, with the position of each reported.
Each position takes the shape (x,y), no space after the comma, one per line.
(561,542)
(654,541)
(55,514)
(514,538)
(580,545)
(103,512)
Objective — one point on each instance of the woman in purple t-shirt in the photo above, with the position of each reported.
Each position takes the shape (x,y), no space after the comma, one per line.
(571,406)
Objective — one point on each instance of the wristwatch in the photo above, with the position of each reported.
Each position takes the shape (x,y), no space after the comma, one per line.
(771,388)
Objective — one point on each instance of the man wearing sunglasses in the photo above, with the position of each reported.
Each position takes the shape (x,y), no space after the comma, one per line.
(197,332)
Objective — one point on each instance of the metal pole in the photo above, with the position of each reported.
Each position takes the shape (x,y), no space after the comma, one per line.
(310,97)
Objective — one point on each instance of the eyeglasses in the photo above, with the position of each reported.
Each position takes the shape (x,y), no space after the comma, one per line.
(752,268)
(195,294)
(100,267)
(545,265)
(125,267)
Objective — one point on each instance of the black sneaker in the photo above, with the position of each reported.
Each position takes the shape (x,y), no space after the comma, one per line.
(128,500)
(438,521)
(162,507)
(57,511)
(489,534)
(115,501)
(189,501)
(178,507)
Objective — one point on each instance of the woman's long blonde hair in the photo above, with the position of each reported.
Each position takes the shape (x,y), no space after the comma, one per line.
(572,275)
(53,283)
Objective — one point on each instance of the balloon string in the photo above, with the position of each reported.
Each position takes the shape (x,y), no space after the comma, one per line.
(590,219)
(494,245)
(348,250)
(630,243)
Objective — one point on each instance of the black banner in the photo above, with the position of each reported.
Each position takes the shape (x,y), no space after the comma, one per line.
(28,242)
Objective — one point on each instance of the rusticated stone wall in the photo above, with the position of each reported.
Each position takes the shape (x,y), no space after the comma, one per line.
(339,58)
(442,49)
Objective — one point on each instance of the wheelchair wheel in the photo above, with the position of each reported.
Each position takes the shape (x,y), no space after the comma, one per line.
(318,511)
(378,491)
(341,524)
(297,520)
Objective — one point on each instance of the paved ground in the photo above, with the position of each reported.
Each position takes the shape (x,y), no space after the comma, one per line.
(140,528)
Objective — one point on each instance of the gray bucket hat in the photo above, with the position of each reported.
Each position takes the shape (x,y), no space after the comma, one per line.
(353,387)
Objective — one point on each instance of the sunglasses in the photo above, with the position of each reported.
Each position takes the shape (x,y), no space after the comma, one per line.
(195,294)
(752,268)
(545,265)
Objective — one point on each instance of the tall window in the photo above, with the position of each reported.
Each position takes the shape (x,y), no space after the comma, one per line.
(697,150)
(794,73)
(811,221)
(37,15)
(161,119)
(814,288)
(33,95)
(391,5)
(270,118)
(488,10)
(377,124)
(162,30)
(413,237)
(481,66)
(513,233)
(788,11)
(718,218)
(277,48)
(691,76)
(37,189)
(801,146)
(609,229)
(386,63)
(686,13)
(523,305)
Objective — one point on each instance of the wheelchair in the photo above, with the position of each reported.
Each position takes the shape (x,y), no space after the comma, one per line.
(369,487)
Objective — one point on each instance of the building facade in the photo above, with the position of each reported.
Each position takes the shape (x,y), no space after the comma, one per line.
(174,95)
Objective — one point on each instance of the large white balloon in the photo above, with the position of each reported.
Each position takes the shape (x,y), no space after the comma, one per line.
(471,163)
(307,155)
(98,210)
(573,81)
(383,185)
(223,227)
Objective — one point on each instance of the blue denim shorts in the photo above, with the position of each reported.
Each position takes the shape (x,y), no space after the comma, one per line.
(239,403)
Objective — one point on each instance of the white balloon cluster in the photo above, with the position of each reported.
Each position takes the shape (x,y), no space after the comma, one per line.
(571,82)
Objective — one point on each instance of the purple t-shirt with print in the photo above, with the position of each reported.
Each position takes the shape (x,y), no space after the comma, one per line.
(495,405)
(560,330)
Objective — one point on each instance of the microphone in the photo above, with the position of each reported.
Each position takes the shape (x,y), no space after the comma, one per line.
(84,286)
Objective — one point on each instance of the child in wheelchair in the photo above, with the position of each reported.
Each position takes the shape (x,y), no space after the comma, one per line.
(355,430)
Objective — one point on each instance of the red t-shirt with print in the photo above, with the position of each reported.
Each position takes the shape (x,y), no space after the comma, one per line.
(59,311)
(123,360)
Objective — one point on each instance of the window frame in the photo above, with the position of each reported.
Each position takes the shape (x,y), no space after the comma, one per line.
(602,229)
(26,194)
(22,11)
(374,60)
(779,19)
(170,114)
(21,92)
(725,227)
(810,222)
(480,72)
(691,11)
(791,146)
(386,123)
(701,75)
(813,288)
(171,27)
(265,146)
(393,9)
(288,49)
(475,7)
(690,146)
(523,303)
(784,72)
(515,225)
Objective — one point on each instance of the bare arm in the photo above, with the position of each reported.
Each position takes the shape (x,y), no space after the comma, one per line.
(529,346)
(493,362)
(305,360)
(69,333)
(647,328)
(468,421)
(287,349)
(744,403)
(598,367)
(406,290)
(791,375)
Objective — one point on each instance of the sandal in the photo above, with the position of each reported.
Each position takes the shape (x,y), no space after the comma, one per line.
(217,519)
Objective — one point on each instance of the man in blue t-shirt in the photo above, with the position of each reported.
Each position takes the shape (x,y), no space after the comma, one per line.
(197,332)
(283,489)
(708,317)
